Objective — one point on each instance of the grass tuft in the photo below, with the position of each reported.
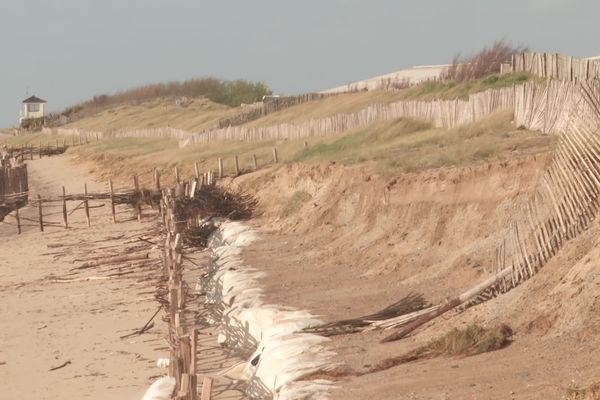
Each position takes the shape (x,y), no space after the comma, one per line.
(469,341)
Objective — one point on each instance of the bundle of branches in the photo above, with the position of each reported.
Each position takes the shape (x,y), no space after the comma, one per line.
(197,236)
(412,302)
(213,201)
(482,64)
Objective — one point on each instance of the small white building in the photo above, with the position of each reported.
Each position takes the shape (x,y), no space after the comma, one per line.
(32,107)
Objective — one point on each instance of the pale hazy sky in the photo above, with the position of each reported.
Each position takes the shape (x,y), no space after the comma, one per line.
(66,51)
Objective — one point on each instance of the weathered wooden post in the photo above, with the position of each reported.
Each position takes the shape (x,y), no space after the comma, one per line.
(156,180)
(64,208)
(206,388)
(177,178)
(193,361)
(220,167)
(236,164)
(137,197)
(254,162)
(40,153)
(112,201)
(18,220)
(275,156)
(305,144)
(197,170)
(40,213)
(86,205)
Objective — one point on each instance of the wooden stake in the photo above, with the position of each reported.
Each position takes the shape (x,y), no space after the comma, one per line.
(206,388)
(220,167)
(305,144)
(86,204)
(254,162)
(157,180)
(64,208)
(193,188)
(237,165)
(138,206)
(197,170)
(40,214)
(18,221)
(177,180)
(112,201)
(275,157)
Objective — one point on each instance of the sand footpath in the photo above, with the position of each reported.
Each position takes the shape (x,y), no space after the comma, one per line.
(52,315)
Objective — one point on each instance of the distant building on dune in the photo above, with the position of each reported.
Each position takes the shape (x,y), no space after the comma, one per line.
(32,108)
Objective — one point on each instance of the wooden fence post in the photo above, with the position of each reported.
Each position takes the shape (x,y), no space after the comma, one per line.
(40,153)
(206,388)
(112,201)
(275,156)
(40,214)
(86,204)
(138,205)
(156,180)
(237,165)
(177,178)
(254,162)
(64,208)
(220,167)
(197,170)
(18,220)
(193,361)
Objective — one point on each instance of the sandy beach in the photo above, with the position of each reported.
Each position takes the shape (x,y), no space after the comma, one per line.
(53,315)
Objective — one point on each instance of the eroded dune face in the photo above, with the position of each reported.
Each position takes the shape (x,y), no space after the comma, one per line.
(435,232)
(416,227)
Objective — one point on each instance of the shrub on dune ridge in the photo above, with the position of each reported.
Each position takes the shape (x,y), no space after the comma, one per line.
(482,64)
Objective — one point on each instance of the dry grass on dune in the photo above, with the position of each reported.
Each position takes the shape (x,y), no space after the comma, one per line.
(199,114)
(407,145)
(393,147)
(354,102)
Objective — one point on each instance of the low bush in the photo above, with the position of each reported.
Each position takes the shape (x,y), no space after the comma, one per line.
(482,64)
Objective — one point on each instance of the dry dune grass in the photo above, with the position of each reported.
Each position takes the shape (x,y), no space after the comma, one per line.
(469,341)
(199,114)
(590,393)
(394,147)
(202,113)
(354,102)
(407,145)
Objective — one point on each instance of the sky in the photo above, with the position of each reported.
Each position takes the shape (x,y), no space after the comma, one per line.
(66,51)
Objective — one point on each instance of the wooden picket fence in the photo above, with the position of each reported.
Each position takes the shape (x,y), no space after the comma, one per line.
(556,66)
(14,187)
